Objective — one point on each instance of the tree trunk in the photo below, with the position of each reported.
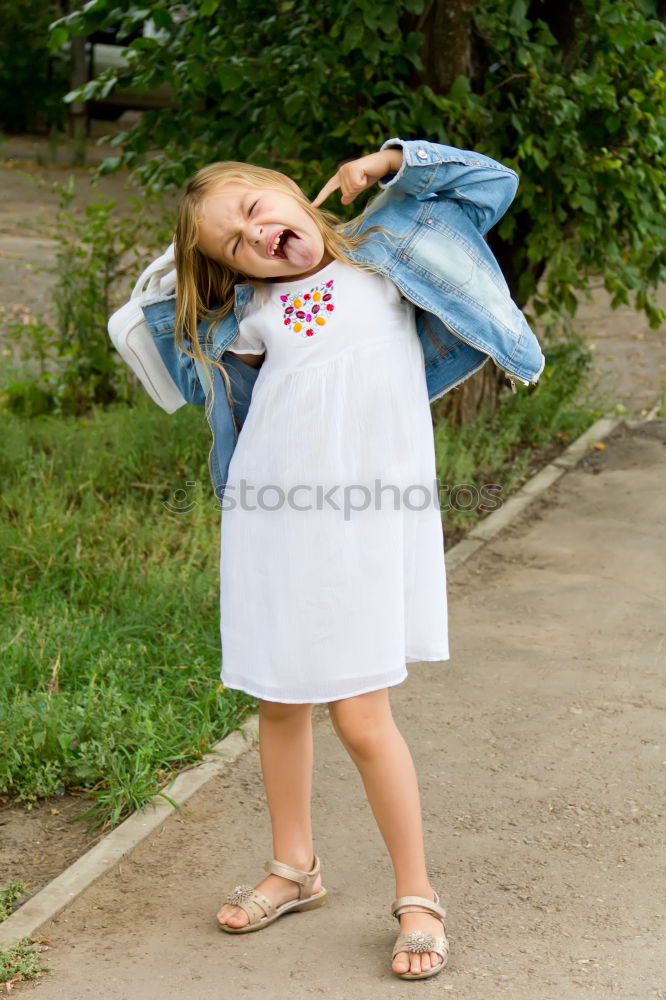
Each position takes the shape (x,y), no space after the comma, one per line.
(447,53)
(514,265)
(77,110)
(460,405)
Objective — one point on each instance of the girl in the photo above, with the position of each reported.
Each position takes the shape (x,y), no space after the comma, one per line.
(332,557)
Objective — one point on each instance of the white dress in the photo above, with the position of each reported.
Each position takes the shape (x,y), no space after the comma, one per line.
(332,573)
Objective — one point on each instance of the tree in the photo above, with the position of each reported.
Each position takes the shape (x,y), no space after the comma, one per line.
(32,82)
(571,93)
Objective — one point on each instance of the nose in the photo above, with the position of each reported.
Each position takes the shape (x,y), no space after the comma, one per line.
(255,234)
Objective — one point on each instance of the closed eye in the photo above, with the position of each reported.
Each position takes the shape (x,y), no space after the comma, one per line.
(252,208)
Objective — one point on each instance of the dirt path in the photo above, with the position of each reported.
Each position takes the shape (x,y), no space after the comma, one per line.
(541,755)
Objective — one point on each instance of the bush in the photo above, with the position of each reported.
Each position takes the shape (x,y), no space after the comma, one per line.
(99,256)
(28,70)
(499,448)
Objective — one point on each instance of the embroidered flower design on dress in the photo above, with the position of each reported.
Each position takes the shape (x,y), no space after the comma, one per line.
(306,313)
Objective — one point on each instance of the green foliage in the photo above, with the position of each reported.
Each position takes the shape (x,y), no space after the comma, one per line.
(9,897)
(500,447)
(298,85)
(110,638)
(20,962)
(28,70)
(576,107)
(98,255)
(588,144)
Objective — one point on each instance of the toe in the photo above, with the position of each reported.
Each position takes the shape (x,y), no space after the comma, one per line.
(401,962)
(425,962)
(235,917)
(239,917)
(415,965)
(435,959)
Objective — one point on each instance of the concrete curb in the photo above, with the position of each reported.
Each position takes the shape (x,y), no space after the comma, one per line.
(48,902)
(541,481)
(101,858)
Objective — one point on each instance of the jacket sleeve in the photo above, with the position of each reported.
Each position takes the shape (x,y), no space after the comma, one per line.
(179,365)
(483,187)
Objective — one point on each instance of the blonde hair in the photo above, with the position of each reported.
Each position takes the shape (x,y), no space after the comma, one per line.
(205,287)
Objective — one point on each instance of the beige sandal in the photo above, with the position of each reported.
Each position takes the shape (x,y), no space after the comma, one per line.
(419,942)
(253,902)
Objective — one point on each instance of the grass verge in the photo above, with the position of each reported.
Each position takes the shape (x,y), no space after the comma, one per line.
(20,962)
(482,463)
(10,894)
(110,640)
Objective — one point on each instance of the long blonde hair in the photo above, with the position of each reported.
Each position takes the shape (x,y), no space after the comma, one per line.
(205,287)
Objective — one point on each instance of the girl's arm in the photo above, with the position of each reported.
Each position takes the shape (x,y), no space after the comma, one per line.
(483,187)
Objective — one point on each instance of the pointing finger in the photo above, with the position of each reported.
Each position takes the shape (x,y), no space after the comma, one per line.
(327,189)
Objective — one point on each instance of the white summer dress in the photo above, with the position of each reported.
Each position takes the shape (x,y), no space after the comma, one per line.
(332,572)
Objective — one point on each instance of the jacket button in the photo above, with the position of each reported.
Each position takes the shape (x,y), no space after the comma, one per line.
(422,155)
(429,221)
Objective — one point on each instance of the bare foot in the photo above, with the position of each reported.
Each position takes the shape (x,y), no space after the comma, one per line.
(279,890)
(409,961)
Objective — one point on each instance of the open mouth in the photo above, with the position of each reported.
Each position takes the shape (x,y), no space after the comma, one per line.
(280,240)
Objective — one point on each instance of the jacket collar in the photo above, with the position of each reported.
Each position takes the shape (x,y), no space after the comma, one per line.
(242,295)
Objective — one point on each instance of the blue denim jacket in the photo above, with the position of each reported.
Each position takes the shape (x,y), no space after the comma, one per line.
(440,204)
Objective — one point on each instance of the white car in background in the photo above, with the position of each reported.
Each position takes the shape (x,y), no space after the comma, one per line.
(103,52)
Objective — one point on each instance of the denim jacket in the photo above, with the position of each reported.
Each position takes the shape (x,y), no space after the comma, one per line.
(439,204)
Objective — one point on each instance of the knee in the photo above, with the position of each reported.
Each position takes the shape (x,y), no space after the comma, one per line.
(364,743)
(362,728)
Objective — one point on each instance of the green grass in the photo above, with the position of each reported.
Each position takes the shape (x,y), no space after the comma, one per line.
(500,448)
(110,640)
(9,897)
(20,962)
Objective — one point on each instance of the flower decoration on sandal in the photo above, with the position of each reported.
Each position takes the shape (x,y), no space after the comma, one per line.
(306,313)
(419,942)
(239,894)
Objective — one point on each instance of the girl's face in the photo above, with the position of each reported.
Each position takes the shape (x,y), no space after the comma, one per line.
(261,232)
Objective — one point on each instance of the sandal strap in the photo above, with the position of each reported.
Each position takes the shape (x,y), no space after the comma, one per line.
(304,879)
(417,904)
(418,942)
(252,902)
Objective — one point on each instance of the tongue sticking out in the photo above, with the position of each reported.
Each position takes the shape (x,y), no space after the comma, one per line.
(297,251)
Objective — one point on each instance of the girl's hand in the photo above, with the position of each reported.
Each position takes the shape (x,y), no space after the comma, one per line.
(357,175)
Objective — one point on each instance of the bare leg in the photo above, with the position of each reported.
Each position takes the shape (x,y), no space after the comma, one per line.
(286,752)
(368,731)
